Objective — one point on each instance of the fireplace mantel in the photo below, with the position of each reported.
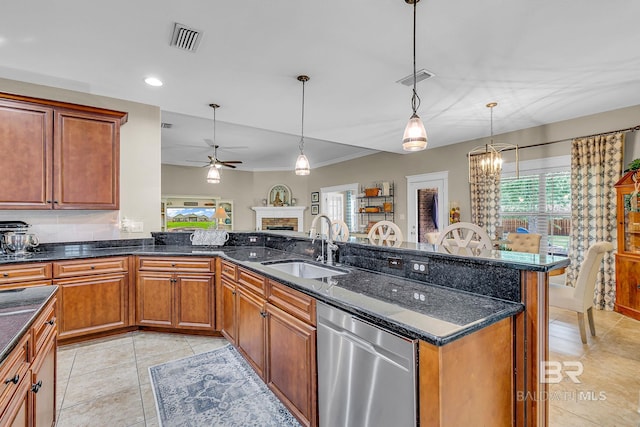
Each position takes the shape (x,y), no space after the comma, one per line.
(279,212)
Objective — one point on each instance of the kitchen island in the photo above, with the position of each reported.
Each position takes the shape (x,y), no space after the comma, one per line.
(455,300)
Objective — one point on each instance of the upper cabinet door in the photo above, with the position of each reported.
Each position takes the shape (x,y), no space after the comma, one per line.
(86,161)
(26,159)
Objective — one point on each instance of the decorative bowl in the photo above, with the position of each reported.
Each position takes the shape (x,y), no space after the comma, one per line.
(371,192)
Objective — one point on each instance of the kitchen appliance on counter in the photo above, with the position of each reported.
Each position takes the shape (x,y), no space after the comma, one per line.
(366,375)
(14,239)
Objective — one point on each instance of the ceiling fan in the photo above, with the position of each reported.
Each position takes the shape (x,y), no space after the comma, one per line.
(215,161)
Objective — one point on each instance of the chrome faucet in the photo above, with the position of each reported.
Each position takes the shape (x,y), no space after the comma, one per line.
(329,238)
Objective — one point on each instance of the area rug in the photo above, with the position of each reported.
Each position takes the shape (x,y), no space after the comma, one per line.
(217,388)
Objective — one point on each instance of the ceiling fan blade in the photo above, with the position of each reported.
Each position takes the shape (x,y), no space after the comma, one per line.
(229,166)
(230,161)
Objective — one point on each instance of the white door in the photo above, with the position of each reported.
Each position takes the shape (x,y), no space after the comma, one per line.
(438,181)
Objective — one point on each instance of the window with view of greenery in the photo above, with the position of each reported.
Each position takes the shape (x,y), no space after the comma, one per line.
(539,202)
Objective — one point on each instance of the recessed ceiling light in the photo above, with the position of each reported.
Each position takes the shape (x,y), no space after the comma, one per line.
(152,81)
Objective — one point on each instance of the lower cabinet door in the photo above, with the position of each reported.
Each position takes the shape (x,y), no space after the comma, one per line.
(43,384)
(92,304)
(17,412)
(251,329)
(228,295)
(291,363)
(194,301)
(154,299)
(628,285)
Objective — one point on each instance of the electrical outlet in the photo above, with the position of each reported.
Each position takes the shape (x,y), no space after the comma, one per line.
(419,267)
(395,263)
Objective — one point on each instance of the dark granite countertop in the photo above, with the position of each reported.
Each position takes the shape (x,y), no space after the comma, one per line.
(19,308)
(408,307)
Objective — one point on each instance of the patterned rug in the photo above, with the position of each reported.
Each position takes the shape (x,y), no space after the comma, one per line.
(217,388)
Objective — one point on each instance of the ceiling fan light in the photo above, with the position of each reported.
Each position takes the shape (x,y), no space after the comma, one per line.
(415,136)
(302,165)
(213,176)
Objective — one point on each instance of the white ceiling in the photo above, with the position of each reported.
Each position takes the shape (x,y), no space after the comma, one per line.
(542,61)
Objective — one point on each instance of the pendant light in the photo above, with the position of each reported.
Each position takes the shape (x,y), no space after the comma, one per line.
(302,164)
(213,176)
(489,157)
(415,136)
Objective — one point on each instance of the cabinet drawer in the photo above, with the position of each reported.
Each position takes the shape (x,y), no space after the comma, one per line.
(185,264)
(24,272)
(90,266)
(252,281)
(228,270)
(44,325)
(13,369)
(293,302)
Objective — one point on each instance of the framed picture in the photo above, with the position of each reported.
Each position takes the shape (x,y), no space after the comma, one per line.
(315,209)
(315,197)
(279,195)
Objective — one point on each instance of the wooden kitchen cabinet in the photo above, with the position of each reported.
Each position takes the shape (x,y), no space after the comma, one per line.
(251,321)
(447,395)
(93,296)
(176,293)
(228,325)
(628,253)
(21,275)
(68,156)
(291,363)
(273,327)
(29,398)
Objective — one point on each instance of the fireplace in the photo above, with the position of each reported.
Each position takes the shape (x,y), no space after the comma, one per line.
(280,218)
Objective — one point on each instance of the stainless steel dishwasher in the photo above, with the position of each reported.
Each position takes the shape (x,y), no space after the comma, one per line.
(366,375)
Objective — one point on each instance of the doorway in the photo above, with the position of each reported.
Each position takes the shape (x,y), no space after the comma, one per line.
(427,201)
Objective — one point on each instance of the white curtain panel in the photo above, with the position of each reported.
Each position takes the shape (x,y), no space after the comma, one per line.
(485,198)
(596,165)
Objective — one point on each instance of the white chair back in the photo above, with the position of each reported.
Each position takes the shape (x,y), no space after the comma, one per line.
(340,230)
(586,281)
(385,233)
(465,235)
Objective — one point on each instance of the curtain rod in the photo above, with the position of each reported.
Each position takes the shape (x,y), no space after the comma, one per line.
(631,129)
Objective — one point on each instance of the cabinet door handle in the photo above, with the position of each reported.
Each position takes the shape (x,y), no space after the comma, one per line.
(5,274)
(263,314)
(93,267)
(55,201)
(233,292)
(12,380)
(36,387)
(52,321)
(48,201)
(638,285)
(173,265)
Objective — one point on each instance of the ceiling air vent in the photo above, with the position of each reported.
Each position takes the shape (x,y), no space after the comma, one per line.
(164,125)
(185,38)
(420,76)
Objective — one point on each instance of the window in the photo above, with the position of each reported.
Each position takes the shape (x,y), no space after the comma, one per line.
(539,202)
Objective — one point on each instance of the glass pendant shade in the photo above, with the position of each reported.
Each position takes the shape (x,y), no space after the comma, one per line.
(213,177)
(302,165)
(415,136)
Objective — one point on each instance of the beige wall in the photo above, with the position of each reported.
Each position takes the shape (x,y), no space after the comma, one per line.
(139,174)
(143,180)
(395,167)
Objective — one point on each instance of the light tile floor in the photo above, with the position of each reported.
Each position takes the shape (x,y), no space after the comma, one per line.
(106,382)
(608,393)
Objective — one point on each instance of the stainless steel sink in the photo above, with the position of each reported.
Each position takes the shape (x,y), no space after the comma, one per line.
(304,269)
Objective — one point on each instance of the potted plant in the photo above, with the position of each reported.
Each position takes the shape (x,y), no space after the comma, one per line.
(633,166)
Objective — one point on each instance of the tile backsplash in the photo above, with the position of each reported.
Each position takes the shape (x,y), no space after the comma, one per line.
(70,226)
